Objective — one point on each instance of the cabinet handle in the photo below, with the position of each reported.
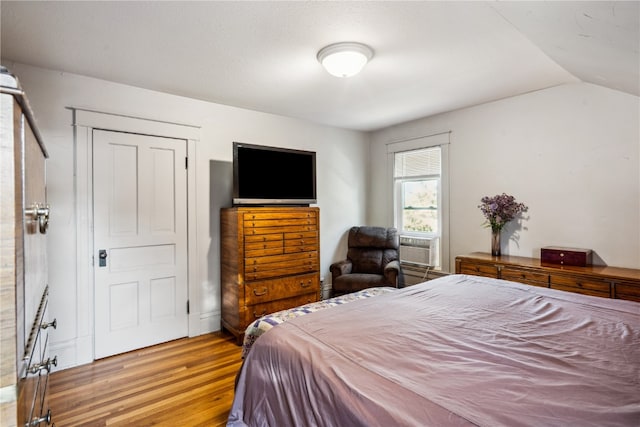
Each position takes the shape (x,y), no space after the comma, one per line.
(257,316)
(305,285)
(36,421)
(46,365)
(260,293)
(53,324)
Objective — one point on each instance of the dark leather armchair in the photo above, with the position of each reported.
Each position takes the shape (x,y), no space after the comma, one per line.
(372,260)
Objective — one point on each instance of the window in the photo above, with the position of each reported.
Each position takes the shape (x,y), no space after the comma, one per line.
(419,196)
(417,189)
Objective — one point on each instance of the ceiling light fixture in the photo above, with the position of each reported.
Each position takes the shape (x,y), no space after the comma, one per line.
(344,59)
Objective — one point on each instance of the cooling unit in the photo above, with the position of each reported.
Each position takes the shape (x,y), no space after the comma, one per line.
(419,250)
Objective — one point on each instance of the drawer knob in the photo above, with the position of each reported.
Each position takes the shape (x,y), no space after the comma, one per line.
(305,285)
(39,213)
(257,316)
(53,324)
(46,365)
(261,292)
(36,421)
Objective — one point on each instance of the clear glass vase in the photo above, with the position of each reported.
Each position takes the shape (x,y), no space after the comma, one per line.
(495,242)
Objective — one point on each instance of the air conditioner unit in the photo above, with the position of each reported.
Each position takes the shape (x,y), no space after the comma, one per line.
(419,250)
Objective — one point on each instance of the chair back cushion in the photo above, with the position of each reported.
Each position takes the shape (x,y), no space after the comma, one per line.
(371,248)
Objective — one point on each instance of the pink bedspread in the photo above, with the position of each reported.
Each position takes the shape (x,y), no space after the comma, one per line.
(460,350)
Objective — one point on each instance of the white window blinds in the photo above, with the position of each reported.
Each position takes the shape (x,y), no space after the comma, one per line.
(423,162)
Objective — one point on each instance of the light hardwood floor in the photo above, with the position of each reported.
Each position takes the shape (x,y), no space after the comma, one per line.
(187,382)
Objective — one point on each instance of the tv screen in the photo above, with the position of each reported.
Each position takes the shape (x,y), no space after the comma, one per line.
(265,175)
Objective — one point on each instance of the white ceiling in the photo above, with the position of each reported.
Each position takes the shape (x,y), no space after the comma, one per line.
(430,56)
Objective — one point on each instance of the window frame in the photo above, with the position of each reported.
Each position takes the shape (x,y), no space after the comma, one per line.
(441,140)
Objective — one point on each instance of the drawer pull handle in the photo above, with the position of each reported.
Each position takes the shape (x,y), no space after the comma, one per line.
(261,292)
(39,213)
(305,285)
(257,316)
(53,324)
(46,365)
(36,421)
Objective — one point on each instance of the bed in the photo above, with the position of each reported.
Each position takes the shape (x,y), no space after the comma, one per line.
(265,323)
(454,351)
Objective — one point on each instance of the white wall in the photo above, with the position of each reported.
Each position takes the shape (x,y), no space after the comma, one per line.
(341,181)
(571,153)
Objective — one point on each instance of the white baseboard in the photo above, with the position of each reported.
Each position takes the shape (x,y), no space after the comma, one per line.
(209,322)
(71,353)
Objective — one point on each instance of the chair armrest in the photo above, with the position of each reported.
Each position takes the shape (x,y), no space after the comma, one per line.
(339,268)
(392,272)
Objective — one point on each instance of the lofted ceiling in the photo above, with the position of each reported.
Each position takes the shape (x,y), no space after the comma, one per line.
(430,56)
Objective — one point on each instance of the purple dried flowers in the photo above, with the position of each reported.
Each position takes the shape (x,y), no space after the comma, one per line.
(500,209)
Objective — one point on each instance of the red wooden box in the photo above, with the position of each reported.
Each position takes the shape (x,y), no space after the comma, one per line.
(565,256)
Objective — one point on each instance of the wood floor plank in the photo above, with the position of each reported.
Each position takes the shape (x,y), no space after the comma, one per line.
(187,382)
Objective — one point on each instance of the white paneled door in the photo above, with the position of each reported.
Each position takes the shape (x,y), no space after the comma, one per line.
(140,241)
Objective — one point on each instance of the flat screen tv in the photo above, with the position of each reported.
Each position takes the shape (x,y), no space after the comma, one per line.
(265,175)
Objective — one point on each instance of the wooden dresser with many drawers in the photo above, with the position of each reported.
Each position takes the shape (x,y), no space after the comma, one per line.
(270,261)
(596,280)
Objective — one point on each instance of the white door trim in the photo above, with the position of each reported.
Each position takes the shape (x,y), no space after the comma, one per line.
(83,122)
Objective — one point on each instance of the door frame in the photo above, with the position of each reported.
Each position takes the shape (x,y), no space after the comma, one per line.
(84,122)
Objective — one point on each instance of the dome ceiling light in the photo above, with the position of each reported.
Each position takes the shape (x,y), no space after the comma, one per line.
(344,59)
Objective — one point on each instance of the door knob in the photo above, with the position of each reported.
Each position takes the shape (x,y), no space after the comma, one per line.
(102,258)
